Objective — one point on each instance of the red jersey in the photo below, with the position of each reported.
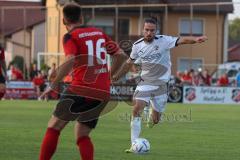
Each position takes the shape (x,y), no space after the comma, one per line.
(2,58)
(223,81)
(38,81)
(90,69)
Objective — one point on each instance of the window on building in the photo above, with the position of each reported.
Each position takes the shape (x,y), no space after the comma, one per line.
(104,23)
(186,27)
(187,63)
(123,26)
(106,29)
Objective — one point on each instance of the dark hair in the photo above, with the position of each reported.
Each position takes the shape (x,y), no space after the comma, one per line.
(72,12)
(150,20)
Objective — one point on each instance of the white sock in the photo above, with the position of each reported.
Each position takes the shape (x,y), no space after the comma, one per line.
(135,128)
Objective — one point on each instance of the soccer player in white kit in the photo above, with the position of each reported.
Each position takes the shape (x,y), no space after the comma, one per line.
(153,52)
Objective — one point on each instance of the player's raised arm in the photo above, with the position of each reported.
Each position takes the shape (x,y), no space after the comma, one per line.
(191,40)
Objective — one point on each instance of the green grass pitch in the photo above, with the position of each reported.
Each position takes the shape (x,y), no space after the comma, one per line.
(188,132)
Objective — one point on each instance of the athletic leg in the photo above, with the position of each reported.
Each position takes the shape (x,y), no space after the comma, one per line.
(136,119)
(50,140)
(158,105)
(84,143)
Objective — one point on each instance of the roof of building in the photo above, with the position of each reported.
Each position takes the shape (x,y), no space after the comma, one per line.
(227,8)
(234,53)
(14,16)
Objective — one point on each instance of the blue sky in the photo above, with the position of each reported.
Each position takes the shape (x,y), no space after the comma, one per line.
(236,10)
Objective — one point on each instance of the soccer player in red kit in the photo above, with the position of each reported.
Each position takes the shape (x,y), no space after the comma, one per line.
(84,99)
(2,72)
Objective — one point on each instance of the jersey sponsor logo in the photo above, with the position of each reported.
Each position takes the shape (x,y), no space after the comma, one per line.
(152,57)
(88,34)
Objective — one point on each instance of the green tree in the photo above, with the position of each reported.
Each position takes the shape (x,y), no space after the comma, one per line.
(234,30)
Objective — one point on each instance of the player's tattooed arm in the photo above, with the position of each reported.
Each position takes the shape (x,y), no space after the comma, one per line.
(63,70)
(123,69)
(60,72)
(117,60)
(191,40)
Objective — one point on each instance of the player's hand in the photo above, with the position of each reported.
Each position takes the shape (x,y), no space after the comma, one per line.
(114,78)
(201,39)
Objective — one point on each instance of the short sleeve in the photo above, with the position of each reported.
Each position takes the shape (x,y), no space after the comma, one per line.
(69,46)
(134,54)
(170,42)
(111,46)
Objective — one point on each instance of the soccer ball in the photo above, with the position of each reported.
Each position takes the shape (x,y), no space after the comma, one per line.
(140,146)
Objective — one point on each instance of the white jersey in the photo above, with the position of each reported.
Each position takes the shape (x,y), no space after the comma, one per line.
(154,58)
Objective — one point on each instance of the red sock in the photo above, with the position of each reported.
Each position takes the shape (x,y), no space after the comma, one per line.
(86,148)
(49,144)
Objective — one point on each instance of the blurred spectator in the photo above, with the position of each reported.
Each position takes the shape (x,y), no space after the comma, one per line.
(39,83)
(18,73)
(44,75)
(178,78)
(186,78)
(196,78)
(223,80)
(9,72)
(206,78)
(14,73)
(33,71)
(238,78)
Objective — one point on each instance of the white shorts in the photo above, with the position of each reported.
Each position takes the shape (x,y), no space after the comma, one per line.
(155,95)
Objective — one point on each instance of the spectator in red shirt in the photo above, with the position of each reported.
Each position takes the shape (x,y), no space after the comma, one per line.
(19,74)
(39,83)
(186,78)
(223,80)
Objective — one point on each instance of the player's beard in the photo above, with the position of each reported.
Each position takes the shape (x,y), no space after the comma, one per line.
(148,39)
